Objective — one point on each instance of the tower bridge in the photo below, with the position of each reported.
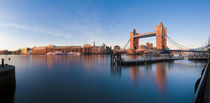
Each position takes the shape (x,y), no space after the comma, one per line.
(160,33)
(161,43)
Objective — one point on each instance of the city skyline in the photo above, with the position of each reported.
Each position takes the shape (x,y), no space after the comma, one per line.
(41,23)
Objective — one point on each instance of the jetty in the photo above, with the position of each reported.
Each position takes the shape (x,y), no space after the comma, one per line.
(7,82)
(118,59)
(199,56)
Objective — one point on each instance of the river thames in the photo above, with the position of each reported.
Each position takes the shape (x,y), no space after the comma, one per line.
(91,79)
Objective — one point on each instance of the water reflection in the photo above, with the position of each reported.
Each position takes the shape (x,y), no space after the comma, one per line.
(116,70)
(92,61)
(50,62)
(91,79)
(148,67)
(134,73)
(38,60)
(86,61)
(161,75)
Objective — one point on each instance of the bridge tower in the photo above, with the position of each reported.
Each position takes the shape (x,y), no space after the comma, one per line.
(161,33)
(134,42)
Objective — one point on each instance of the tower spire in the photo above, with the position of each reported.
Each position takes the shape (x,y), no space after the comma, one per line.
(161,23)
(134,30)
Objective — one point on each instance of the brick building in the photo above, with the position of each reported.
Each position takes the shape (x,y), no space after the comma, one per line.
(25,51)
(86,49)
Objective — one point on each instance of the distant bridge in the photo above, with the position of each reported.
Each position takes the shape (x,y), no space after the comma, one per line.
(161,41)
(160,34)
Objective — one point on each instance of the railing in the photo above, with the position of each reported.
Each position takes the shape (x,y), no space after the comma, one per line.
(199,93)
(199,56)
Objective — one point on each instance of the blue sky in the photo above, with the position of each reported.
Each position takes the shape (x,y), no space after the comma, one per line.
(28,23)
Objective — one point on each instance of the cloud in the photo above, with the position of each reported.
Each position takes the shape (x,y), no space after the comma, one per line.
(38,29)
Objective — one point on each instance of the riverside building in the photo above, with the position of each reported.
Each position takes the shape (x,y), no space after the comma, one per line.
(85,49)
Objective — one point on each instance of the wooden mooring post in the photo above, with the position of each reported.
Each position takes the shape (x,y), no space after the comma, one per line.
(116,58)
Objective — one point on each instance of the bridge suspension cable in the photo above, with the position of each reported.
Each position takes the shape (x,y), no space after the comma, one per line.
(175,43)
(127,44)
(171,41)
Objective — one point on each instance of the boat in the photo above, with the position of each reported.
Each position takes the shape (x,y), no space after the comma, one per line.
(74,53)
(58,53)
(77,53)
(50,53)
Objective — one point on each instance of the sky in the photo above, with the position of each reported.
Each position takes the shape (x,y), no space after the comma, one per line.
(29,23)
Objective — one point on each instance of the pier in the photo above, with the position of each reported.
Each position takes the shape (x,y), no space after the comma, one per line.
(117,59)
(149,60)
(7,73)
(7,82)
(198,56)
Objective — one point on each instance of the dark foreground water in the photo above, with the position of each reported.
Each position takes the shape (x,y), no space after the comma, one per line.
(91,79)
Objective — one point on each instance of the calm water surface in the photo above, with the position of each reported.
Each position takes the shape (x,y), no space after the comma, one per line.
(91,79)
